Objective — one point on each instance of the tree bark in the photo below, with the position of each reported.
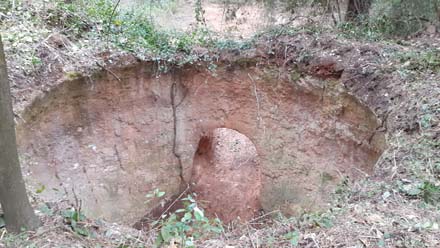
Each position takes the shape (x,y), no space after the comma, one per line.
(18,212)
(356,9)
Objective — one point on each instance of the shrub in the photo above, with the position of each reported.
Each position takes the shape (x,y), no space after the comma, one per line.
(404,17)
(186,225)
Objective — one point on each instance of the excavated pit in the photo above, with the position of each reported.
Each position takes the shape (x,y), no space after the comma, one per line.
(245,139)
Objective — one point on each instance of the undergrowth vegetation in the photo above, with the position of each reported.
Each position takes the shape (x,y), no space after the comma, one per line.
(87,23)
(185,225)
(129,30)
(96,24)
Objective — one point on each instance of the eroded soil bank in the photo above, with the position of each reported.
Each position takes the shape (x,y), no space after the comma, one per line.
(110,139)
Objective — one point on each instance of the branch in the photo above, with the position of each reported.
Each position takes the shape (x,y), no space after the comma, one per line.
(113,13)
(111,19)
(113,74)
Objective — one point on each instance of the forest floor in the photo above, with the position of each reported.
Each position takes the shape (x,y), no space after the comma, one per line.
(397,206)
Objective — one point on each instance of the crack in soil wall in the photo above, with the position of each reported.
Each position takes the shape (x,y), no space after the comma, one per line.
(174,106)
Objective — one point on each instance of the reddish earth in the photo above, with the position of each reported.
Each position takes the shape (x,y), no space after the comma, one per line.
(111,141)
(226,175)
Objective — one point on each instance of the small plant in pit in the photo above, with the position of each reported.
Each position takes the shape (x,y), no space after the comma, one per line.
(317,219)
(292,237)
(76,220)
(156,193)
(184,225)
(429,192)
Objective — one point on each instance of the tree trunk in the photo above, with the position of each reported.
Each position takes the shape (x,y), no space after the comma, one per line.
(13,198)
(356,9)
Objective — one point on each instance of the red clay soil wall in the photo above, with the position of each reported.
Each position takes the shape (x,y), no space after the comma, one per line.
(227,175)
(113,141)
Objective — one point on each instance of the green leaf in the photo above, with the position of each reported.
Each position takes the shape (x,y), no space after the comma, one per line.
(166,233)
(381,243)
(46,210)
(385,195)
(81,217)
(160,194)
(198,214)
(411,189)
(75,216)
(41,189)
(68,213)
(73,223)
(189,243)
(293,237)
(159,241)
(187,217)
(82,231)
(191,206)
(326,222)
(216,229)
(189,198)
